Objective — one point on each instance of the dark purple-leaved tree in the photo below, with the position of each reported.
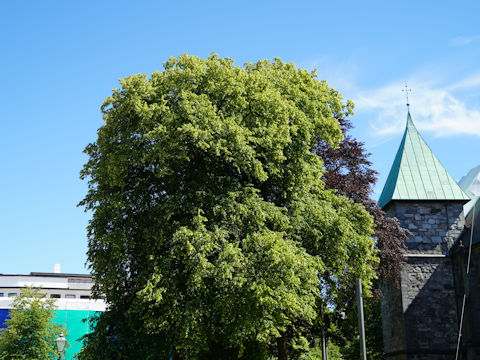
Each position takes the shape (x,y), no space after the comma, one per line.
(348,170)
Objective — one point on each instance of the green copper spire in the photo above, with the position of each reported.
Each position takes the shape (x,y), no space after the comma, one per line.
(417,174)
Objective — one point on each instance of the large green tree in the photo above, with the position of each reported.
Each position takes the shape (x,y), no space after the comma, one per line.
(212,233)
(30,332)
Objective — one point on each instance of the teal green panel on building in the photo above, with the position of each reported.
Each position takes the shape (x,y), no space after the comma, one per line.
(72,320)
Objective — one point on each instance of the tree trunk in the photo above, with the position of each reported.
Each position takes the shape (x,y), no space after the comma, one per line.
(282,347)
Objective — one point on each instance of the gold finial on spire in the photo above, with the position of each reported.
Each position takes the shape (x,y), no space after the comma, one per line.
(406,94)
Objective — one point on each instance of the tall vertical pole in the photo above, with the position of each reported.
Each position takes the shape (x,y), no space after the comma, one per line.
(324,346)
(324,342)
(361,325)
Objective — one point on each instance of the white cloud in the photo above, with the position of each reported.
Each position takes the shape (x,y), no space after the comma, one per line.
(464,40)
(436,108)
(441,103)
(472,81)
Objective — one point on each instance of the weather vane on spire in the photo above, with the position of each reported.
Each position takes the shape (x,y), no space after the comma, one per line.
(406,94)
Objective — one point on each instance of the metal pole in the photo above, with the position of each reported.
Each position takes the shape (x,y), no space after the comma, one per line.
(361,325)
(324,345)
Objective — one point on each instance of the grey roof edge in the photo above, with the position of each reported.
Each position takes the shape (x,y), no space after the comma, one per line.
(471,212)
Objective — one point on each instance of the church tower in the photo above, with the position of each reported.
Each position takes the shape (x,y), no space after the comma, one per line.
(419,314)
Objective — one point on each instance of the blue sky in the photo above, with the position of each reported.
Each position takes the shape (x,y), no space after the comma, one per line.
(60,59)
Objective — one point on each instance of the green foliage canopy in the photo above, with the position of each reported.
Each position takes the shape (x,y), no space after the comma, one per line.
(211,226)
(30,332)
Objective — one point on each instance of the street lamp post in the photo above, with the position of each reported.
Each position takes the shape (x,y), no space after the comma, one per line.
(60,342)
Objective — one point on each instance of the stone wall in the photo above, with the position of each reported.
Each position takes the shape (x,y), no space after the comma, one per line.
(393,322)
(428,306)
(435,225)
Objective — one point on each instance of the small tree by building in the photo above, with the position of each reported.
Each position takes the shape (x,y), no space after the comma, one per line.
(30,332)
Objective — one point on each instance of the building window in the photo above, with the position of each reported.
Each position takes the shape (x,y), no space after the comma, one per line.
(55,296)
(84,297)
(12,294)
(1,295)
(68,296)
